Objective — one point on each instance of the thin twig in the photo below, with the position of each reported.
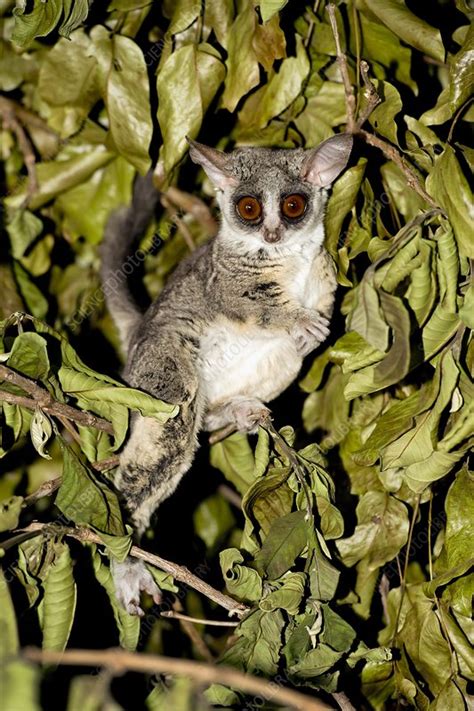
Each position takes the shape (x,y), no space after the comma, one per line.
(196,620)
(103,465)
(292,457)
(190,631)
(221,434)
(342,61)
(195,207)
(46,489)
(42,398)
(405,568)
(11,122)
(179,572)
(370,93)
(343,701)
(120,661)
(232,496)
(50,486)
(392,154)
(69,427)
(182,226)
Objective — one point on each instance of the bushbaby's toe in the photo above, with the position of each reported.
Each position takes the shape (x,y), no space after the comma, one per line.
(131,578)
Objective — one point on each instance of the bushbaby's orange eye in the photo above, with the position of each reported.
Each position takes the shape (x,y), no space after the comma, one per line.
(249,208)
(293,206)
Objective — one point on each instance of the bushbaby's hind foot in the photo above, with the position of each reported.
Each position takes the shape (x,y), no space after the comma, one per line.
(131,578)
(246,414)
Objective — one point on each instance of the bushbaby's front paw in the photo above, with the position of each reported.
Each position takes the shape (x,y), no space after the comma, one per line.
(131,578)
(309,333)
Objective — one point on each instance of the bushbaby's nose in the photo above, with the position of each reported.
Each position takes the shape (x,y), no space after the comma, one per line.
(272,235)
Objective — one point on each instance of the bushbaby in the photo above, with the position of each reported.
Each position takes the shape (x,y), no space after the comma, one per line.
(262,290)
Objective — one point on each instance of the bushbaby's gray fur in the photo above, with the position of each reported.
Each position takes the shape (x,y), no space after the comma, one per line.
(232,326)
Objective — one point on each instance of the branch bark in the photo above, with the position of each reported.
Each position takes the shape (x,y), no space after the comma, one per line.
(118,662)
(39,396)
(179,572)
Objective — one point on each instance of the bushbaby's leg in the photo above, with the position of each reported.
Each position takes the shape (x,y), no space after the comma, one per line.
(155,458)
(245,413)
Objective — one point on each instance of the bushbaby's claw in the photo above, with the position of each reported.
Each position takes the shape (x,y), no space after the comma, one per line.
(131,578)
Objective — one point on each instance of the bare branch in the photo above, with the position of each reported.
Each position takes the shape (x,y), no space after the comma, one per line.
(179,572)
(342,61)
(190,630)
(195,207)
(11,122)
(182,226)
(42,398)
(370,93)
(119,661)
(212,623)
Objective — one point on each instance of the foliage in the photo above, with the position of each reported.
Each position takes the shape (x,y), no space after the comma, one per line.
(353,546)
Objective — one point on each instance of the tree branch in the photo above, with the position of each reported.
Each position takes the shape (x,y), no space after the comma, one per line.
(179,572)
(11,122)
(354,126)
(342,61)
(195,207)
(119,661)
(42,398)
(197,620)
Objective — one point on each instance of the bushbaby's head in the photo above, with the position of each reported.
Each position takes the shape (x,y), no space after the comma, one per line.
(273,198)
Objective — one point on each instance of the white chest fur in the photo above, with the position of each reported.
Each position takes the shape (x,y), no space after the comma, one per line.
(248,361)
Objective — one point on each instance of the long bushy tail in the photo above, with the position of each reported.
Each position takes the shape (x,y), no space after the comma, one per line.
(123,228)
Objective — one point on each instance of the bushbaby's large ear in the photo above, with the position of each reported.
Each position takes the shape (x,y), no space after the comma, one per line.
(324,163)
(214,162)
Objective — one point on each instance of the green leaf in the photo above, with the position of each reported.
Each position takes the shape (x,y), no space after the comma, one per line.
(212,520)
(286,539)
(241,581)
(38,23)
(69,82)
(268,8)
(283,88)
(396,363)
(234,457)
(29,355)
(128,625)
(324,577)
(381,531)
(41,430)
(410,28)
(8,628)
(128,102)
(20,684)
(59,602)
(382,117)
(287,597)
(10,510)
(268,498)
(449,187)
(367,317)
(23,229)
(242,65)
(258,648)
(75,12)
(186,84)
(84,498)
(341,202)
